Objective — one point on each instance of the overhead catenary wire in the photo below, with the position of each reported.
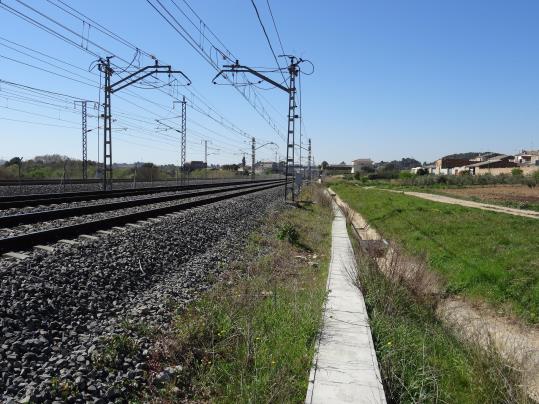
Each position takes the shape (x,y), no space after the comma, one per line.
(73,43)
(268,39)
(204,108)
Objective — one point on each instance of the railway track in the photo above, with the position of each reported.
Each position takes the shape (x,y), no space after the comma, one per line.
(18,201)
(28,240)
(78,181)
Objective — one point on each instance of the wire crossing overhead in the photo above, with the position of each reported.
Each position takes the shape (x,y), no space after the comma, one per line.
(110,88)
(293,71)
(188,24)
(98,41)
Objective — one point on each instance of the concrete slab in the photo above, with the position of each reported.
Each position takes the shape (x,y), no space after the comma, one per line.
(68,242)
(119,228)
(105,232)
(45,248)
(17,256)
(136,226)
(88,237)
(345,368)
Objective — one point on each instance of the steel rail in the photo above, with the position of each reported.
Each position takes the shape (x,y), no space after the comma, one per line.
(64,213)
(17,201)
(26,241)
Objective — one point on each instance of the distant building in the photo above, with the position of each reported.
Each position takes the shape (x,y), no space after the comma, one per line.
(338,169)
(194,165)
(499,164)
(265,166)
(450,166)
(527,157)
(484,157)
(359,164)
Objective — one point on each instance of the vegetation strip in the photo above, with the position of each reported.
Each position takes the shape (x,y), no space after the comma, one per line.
(480,254)
(420,360)
(251,338)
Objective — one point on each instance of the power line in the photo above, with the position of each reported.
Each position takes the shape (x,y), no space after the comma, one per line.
(275,26)
(267,38)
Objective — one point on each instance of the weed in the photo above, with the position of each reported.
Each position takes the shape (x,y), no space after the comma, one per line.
(251,338)
(420,361)
(288,232)
(115,349)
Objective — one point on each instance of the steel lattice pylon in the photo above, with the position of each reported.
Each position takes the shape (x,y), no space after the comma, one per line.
(107,127)
(84,140)
(310,161)
(290,142)
(184,137)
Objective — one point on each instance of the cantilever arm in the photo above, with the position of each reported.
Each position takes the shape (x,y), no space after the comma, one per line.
(244,69)
(156,69)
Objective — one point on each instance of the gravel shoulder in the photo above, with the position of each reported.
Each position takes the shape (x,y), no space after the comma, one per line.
(58,311)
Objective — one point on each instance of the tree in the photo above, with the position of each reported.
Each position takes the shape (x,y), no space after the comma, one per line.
(14,161)
(324,165)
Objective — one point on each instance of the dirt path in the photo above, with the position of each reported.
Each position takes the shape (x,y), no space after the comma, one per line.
(469,204)
(516,343)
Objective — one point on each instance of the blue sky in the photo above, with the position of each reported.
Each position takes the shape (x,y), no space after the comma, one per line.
(393,78)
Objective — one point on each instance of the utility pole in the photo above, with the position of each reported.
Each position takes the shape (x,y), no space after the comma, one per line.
(291,143)
(184,138)
(253,144)
(206,158)
(111,88)
(84,140)
(293,70)
(310,157)
(104,67)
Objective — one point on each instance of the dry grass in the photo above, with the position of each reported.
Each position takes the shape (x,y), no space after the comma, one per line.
(251,338)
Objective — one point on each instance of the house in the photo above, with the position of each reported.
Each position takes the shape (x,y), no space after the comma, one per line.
(359,164)
(527,157)
(266,166)
(484,157)
(500,164)
(338,169)
(450,166)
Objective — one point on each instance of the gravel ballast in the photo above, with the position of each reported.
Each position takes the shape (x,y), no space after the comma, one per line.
(57,311)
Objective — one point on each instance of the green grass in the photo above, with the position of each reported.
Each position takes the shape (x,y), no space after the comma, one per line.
(481,254)
(251,339)
(507,203)
(420,361)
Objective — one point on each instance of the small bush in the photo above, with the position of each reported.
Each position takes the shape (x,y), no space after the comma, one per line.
(405,175)
(288,232)
(516,172)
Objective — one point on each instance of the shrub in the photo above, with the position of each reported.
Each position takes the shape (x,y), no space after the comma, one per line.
(288,232)
(516,172)
(405,175)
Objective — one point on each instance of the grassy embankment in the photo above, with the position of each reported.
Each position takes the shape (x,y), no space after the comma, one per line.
(251,338)
(420,360)
(483,255)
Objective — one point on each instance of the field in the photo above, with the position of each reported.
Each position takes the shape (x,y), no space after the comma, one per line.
(484,255)
(516,196)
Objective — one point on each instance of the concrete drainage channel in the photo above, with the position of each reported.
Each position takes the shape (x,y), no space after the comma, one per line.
(57,311)
(345,368)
